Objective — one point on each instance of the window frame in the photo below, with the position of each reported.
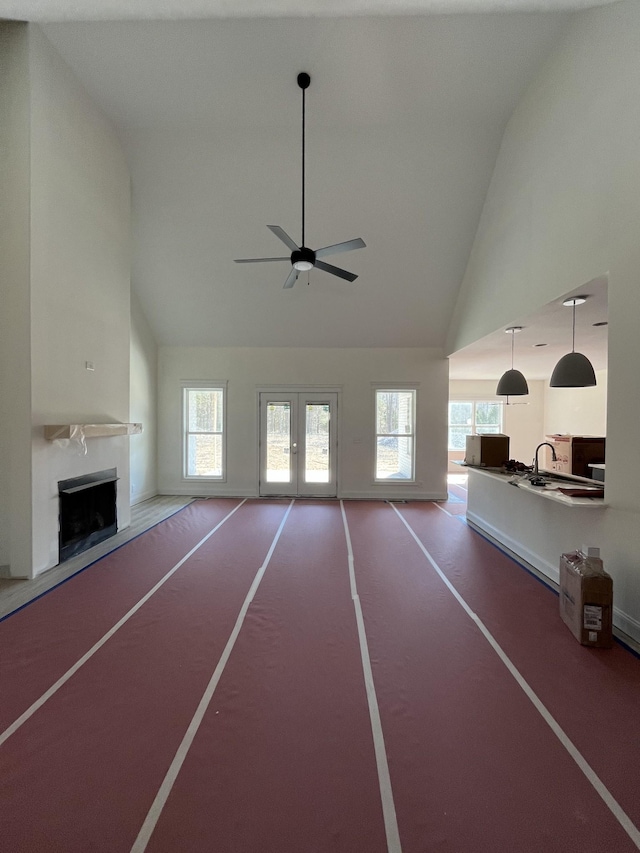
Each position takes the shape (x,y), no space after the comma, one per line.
(202,385)
(395,388)
(474,403)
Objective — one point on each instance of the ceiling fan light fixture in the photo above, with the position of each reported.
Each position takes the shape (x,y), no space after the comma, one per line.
(302,258)
(303,266)
(512,383)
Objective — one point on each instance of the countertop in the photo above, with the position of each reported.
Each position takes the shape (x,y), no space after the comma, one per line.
(547,492)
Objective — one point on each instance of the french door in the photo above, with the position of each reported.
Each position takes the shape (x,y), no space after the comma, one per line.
(298,443)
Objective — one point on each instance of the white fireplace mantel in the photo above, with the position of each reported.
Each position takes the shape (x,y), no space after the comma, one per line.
(54,432)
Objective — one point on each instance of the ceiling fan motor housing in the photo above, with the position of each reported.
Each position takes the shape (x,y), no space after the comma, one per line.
(303,256)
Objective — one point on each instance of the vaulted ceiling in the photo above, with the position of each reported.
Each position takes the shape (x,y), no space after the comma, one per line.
(405,114)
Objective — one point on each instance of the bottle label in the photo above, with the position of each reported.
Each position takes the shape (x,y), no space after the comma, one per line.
(592,617)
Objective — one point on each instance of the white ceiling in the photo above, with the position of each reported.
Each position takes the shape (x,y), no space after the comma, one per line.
(103,10)
(405,114)
(545,337)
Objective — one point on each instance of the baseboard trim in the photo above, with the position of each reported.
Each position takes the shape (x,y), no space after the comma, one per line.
(629,625)
(199,492)
(143,496)
(368,495)
(393,496)
(515,549)
(626,628)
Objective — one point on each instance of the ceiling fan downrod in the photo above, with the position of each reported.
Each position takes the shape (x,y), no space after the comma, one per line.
(304,80)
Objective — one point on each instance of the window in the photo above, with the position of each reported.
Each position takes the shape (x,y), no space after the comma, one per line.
(204,437)
(476,417)
(395,434)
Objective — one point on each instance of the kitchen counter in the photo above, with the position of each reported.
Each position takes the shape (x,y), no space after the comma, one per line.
(551,490)
(535,524)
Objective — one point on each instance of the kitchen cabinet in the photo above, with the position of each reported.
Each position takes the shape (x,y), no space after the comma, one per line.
(575,453)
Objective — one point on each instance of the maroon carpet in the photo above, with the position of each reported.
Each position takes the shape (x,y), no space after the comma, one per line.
(41,641)
(283,759)
(473,765)
(594,694)
(82,772)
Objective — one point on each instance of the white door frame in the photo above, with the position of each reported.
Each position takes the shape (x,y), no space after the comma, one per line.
(297,396)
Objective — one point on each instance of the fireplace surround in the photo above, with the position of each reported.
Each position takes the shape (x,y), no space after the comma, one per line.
(87,511)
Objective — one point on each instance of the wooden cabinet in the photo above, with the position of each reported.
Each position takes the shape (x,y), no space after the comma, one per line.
(575,453)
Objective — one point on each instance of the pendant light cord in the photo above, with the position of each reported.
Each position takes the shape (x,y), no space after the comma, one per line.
(513,334)
(573,336)
(303,158)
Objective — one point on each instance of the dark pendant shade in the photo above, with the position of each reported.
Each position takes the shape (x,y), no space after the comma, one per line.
(512,383)
(574,370)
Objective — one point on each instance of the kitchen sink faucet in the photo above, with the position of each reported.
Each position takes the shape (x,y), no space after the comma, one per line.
(535,458)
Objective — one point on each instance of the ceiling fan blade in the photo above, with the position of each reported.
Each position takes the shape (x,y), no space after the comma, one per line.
(349,276)
(258,260)
(347,246)
(279,232)
(291,278)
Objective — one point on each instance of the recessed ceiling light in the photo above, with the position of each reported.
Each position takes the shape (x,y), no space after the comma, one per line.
(602,323)
(575,300)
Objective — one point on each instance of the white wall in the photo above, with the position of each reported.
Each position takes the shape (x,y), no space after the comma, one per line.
(80,287)
(577,411)
(563,208)
(15,357)
(353,370)
(143,406)
(523,417)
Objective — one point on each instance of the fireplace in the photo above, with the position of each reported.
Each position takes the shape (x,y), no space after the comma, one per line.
(87,511)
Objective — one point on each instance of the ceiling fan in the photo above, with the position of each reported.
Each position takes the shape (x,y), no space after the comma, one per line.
(303,258)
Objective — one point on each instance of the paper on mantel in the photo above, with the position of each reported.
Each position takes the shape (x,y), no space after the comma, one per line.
(65,435)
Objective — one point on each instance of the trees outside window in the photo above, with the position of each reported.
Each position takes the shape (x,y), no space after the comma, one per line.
(473,417)
(395,434)
(204,434)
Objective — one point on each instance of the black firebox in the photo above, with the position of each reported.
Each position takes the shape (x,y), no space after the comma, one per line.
(87,511)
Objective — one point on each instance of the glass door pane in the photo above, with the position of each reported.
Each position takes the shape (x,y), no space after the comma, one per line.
(317,449)
(278,442)
(317,456)
(298,443)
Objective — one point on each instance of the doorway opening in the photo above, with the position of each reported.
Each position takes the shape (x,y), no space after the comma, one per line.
(298,443)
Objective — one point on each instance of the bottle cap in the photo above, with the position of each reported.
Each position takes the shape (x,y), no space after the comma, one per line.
(590,551)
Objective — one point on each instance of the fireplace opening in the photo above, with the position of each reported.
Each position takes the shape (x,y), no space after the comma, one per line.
(87,511)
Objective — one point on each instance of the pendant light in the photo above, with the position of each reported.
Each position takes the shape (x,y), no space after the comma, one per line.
(574,370)
(512,383)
